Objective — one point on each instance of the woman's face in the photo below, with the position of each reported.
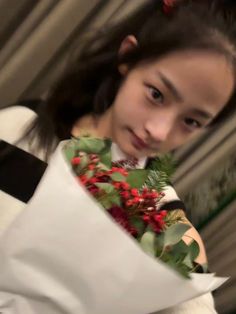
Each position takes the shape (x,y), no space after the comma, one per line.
(161,105)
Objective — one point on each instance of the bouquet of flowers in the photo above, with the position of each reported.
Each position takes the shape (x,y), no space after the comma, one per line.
(92,242)
(131,197)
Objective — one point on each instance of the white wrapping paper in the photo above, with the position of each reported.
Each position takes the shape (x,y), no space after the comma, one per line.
(64,254)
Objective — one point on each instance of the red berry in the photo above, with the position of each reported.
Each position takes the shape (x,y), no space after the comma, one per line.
(116,185)
(83,179)
(133,231)
(125,185)
(163,213)
(134,192)
(136,200)
(91,167)
(157,217)
(125,194)
(146,218)
(154,194)
(93,180)
(129,203)
(75,161)
(114,169)
(124,172)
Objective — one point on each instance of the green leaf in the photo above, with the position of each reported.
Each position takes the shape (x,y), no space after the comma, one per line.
(194,250)
(116,176)
(110,200)
(69,153)
(174,233)
(147,242)
(107,187)
(160,240)
(188,261)
(180,250)
(180,268)
(101,166)
(116,200)
(138,224)
(92,145)
(105,157)
(84,160)
(89,174)
(136,178)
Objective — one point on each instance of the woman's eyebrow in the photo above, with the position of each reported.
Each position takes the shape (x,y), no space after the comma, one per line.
(202,113)
(177,95)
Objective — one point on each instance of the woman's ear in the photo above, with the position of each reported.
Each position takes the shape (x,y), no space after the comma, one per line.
(129,43)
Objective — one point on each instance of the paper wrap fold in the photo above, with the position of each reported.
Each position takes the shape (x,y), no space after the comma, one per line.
(64,254)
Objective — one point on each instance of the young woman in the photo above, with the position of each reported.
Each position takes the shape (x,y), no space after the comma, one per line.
(150,83)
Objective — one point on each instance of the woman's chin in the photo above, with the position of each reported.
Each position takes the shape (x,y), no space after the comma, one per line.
(130,151)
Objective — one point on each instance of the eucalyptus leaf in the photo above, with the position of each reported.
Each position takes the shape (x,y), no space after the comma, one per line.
(89,174)
(116,199)
(138,224)
(174,233)
(137,177)
(101,166)
(105,157)
(116,176)
(180,248)
(194,250)
(180,268)
(112,199)
(91,145)
(179,251)
(188,261)
(84,160)
(107,187)
(69,152)
(160,240)
(147,242)
(106,202)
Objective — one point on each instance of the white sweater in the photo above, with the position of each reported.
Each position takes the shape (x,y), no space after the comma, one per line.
(13,121)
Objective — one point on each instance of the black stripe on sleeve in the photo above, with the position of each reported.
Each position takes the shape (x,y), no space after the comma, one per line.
(20,172)
(172,205)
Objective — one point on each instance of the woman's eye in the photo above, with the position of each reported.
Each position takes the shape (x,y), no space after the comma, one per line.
(155,94)
(192,124)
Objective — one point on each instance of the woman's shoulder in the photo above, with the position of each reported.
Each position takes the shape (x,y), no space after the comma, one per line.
(18,163)
(13,122)
(16,117)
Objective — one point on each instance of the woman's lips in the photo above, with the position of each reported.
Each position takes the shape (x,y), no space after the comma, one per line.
(137,142)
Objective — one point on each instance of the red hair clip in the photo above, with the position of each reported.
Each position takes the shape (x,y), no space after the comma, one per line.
(168,6)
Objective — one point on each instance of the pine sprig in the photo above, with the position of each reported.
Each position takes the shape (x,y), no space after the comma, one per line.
(156,180)
(165,163)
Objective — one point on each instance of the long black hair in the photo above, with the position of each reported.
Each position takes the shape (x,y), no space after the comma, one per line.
(91,82)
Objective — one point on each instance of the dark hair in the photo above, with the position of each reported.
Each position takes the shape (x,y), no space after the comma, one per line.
(90,84)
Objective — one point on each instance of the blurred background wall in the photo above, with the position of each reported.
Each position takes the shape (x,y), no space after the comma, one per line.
(38,38)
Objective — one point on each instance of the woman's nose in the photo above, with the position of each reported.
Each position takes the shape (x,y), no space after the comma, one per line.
(159,128)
